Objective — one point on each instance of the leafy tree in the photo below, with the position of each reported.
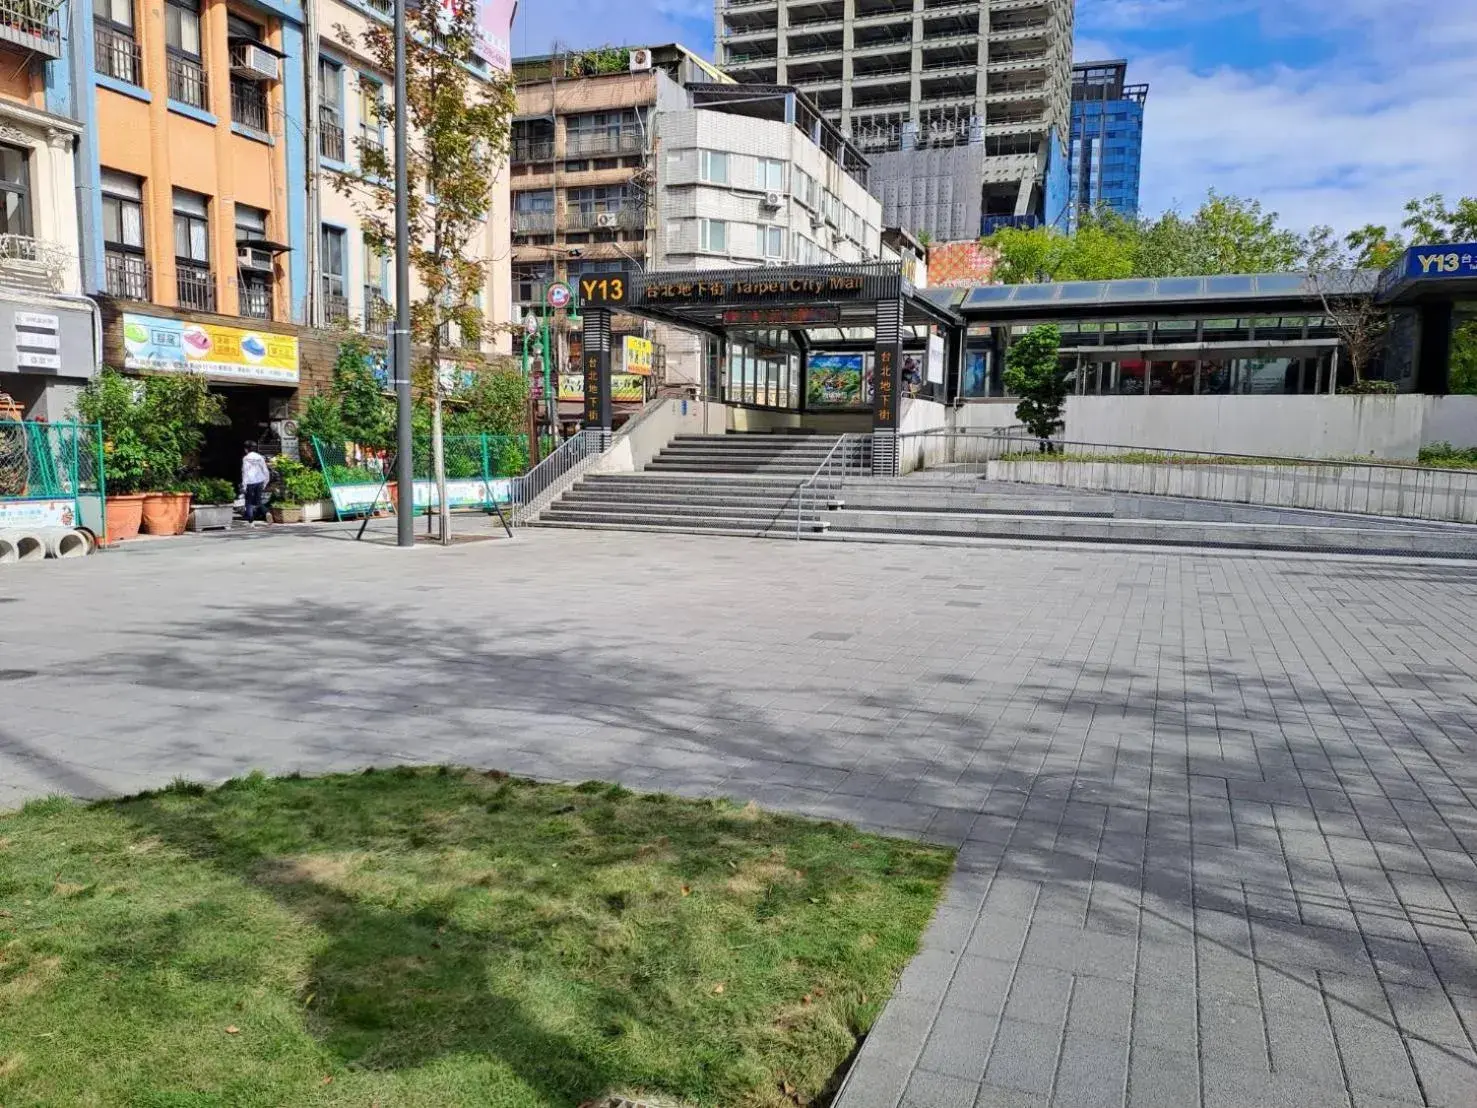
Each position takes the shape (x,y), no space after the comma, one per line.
(1337,270)
(1430,221)
(366,414)
(459,125)
(1464,358)
(1033,371)
(153,427)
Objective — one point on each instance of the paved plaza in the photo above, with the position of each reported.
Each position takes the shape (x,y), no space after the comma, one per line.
(1216,813)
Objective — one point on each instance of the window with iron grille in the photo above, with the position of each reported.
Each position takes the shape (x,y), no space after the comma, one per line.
(334,260)
(115,46)
(331,109)
(15,191)
(126,268)
(195,281)
(186,71)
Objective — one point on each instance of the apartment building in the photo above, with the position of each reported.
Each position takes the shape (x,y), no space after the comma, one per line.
(1107,149)
(48,345)
(666,165)
(962,106)
(349,284)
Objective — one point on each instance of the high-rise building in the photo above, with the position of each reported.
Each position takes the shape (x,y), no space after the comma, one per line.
(1107,139)
(962,106)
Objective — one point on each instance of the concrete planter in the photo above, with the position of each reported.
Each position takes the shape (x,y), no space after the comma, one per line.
(315,511)
(210,517)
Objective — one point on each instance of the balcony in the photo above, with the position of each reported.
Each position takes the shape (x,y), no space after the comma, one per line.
(385,8)
(604,143)
(32,263)
(540,150)
(116,55)
(195,286)
(256,297)
(533,223)
(32,25)
(129,276)
(588,219)
(379,313)
(187,82)
(330,134)
(249,104)
(335,303)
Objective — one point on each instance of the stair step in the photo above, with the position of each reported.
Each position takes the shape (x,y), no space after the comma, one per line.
(704,520)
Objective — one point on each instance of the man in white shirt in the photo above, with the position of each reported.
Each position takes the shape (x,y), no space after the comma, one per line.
(254,478)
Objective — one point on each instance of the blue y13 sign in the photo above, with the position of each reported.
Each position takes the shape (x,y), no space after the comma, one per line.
(1450,260)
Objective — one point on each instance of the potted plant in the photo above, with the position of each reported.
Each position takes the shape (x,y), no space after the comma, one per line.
(116,401)
(300,487)
(213,500)
(166,510)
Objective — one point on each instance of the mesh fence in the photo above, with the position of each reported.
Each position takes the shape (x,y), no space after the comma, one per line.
(49,460)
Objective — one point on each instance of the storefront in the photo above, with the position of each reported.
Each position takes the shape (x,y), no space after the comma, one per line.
(255,371)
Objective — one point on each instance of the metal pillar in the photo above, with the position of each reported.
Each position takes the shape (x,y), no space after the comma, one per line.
(404,461)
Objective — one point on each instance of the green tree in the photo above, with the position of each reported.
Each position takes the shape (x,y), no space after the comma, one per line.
(1464,358)
(153,427)
(1430,221)
(366,414)
(1033,371)
(460,124)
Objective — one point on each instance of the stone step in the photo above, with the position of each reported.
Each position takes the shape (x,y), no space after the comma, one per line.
(735,509)
(677,499)
(671,466)
(733,519)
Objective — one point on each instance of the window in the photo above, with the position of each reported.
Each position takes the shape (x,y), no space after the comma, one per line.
(713,235)
(713,167)
(376,304)
(248,96)
(536,201)
(123,236)
(251,223)
(182,37)
(334,259)
(115,49)
(371,113)
(15,191)
(593,133)
(805,188)
(772,242)
(771,174)
(254,266)
(330,109)
(195,282)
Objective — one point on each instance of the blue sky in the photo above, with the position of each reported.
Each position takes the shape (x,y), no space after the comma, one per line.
(1328,111)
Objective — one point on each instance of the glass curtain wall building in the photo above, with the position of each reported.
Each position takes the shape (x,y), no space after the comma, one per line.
(1107,140)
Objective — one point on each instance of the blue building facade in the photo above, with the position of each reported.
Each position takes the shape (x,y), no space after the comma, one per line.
(1107,146)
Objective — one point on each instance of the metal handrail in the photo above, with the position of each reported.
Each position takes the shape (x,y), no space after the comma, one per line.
(840,452)
(530,489)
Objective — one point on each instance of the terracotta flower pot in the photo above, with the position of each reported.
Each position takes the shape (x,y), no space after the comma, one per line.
(166,513)
(122,515)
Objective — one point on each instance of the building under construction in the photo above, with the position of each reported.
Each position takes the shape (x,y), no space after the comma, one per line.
(961,106)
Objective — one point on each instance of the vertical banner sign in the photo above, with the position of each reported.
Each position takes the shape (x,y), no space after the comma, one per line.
(887,367)
(596,359)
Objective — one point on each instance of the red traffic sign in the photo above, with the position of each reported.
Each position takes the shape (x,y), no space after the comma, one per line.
(559,295)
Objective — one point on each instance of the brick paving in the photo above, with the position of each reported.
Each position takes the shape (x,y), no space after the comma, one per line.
(1215,813)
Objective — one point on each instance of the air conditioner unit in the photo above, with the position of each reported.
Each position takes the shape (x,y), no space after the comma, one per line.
(250,60)
(816,222)
(248,258)
(773,200)
(640,60)
(606,219)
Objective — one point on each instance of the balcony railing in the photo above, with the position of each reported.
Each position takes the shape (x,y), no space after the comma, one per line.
(330,134)
(371,138)
(623,219)
(604,142)
(187,82)
(249,104)
(32,25)
(195,285)
(533,223)
(256,297)
(116,55)
(32,262)
(385,8)
(379,313)
(129,276)
(335,306)
(534,150)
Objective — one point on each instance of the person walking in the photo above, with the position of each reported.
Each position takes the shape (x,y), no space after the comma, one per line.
(254,478)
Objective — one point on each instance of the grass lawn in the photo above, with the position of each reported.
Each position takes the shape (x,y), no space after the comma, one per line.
(440,937)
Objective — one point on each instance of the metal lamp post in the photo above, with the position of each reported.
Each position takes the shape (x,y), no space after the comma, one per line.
(404,444)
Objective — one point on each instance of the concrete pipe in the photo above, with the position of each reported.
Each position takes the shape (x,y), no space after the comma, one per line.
(63,542)
(7,549)
(29,547)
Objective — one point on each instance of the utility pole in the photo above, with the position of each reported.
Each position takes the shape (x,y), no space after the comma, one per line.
(404,444)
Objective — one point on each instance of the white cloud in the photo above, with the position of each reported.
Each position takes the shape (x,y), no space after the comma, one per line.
(1390,115)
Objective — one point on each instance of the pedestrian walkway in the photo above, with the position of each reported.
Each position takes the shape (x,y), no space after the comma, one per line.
(1216,812)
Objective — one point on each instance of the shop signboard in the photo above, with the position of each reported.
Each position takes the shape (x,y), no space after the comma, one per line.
(1449,260)
(473,492)
(495,28)
(58,512)
(834,381)
(624,387)
(636,355)
(227,353)
(54,342)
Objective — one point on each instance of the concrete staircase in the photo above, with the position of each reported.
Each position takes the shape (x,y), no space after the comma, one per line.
(748,485)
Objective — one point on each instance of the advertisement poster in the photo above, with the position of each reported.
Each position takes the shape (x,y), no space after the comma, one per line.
(636,355)
(834,381)
(495,20)
(976,372)
(471,492)
(38,513)
(624,387)
(935,358)
(176,346)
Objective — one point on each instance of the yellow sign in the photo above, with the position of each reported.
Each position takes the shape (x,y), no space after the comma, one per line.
(235,353)
(637,353)
(604,291)
(625,387)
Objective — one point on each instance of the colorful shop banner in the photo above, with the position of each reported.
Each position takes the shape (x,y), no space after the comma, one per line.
(624,387)
(834,381)
(59,512)
(636,355)
(474,492)
(234,353)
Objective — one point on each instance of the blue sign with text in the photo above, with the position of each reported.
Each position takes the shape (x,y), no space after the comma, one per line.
(1449,260)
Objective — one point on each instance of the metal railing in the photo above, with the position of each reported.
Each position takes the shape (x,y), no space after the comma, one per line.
(335,307)
(32,24)
(385,8)
(186,78)
(533,223)
(256,298)
(533,491)
(604,142)
(532,150)
(115,54)
(195,286)
(849,456)
(1349,486)
(587,219)
(378,311)
(129,276)
(330,134)
(249,104)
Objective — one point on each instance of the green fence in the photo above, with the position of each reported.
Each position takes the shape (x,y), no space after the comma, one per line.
(51,474)
(479,472)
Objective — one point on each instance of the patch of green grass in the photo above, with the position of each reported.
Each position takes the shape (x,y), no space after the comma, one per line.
(440,937)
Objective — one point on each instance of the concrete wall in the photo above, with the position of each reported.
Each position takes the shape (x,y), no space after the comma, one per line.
(922,415)
(644,437)
(1450,419)
(986,415)
(760,420)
